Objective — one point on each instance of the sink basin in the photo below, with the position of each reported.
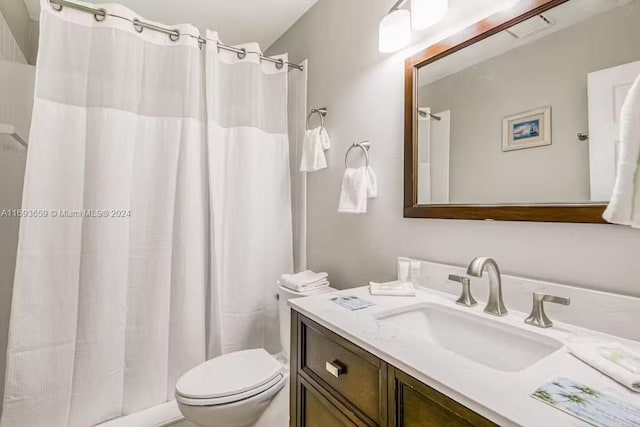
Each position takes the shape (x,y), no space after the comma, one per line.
(482,340)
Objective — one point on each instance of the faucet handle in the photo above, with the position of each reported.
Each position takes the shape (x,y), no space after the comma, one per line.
(466,298)
(538,317)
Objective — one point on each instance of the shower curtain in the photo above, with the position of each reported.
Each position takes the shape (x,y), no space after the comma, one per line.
(250,195)
(158,193)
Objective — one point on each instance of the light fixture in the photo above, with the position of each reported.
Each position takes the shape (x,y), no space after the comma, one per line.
(395,30)
(426,13)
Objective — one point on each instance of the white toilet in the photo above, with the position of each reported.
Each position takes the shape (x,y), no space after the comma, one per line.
(234,389)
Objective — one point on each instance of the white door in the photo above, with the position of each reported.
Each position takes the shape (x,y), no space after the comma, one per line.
(607,91)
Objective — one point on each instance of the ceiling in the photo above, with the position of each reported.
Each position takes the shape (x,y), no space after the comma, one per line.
(237,21)
(562,17)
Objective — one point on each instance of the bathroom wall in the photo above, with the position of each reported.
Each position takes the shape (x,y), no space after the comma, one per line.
(16,102)
(9,48)
(535,72)
(364,91)
(16,27)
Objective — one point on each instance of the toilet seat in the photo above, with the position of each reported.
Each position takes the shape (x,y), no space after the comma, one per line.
(230,378)
(275,383)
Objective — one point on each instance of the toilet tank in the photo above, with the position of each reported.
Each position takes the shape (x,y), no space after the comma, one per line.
(284,295)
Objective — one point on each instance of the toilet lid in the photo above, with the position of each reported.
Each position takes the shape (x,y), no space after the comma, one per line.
(230,374)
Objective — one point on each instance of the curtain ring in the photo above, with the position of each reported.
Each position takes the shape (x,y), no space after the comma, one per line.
(100,16)
(137,26)
(279,66)
(364,146)
(174,36)
(55,6)
(201,42)
(242,54)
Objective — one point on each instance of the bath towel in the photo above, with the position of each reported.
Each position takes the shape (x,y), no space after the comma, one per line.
(624,207)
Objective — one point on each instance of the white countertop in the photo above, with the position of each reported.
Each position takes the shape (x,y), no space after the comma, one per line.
(503,397)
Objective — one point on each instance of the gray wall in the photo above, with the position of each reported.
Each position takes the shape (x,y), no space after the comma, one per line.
(16,103)
(364,93)
(24,29)
(551,71)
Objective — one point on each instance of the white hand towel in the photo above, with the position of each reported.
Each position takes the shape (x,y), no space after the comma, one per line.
(304,280)
(325,142)
(372,184)
(306,287)
(313,158)
(395,288)
(624,207)
(353,198)
(590,354)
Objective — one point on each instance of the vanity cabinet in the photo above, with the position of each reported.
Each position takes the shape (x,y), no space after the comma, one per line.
(335,383)
(415,404)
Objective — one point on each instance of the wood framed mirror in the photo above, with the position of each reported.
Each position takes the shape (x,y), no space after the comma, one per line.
(511,119)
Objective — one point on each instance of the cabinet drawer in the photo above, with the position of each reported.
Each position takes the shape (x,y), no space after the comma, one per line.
(318,411)
(350,371)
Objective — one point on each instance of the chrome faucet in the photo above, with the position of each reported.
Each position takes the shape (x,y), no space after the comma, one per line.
(495,305)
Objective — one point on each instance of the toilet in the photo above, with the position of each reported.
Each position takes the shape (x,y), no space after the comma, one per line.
(234,389)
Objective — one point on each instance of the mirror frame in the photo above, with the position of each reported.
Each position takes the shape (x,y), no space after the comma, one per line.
(575,212)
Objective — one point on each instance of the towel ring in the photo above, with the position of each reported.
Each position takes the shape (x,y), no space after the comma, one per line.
(322,112)
(364,146)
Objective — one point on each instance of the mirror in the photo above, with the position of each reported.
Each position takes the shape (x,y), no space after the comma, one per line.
(525,119)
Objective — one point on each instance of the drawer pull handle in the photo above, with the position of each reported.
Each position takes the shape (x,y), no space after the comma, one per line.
(335,368)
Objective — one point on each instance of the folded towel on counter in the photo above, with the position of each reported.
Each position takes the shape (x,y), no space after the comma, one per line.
(593,354)
(395,288)
(624,207)
(305,280)
(372,184)
(353,197)
(315,142)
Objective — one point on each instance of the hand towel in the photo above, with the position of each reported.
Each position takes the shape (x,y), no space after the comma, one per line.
(372,184)
(624,207)
(395,288)
(353,198)
(306,287)
(304,280)
(325,142)
(590,353)
(313,146)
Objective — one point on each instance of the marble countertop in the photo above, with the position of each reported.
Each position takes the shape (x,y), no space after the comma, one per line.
(503,397)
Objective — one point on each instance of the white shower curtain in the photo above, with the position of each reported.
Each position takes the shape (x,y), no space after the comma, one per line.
(250,196)
(168,217)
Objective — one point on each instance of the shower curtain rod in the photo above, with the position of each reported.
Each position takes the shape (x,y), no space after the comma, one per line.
(101,14)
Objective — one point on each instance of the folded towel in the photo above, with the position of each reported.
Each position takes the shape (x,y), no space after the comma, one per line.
(304,280)
(307,287)
(353,198)
(624,207)
(372,184)
(591,354)
(395,288)
(313,146)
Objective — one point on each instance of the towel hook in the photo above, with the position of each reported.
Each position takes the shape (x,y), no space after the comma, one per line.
(322,112)
(364,146)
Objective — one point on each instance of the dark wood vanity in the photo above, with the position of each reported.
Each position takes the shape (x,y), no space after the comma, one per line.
(336,383)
